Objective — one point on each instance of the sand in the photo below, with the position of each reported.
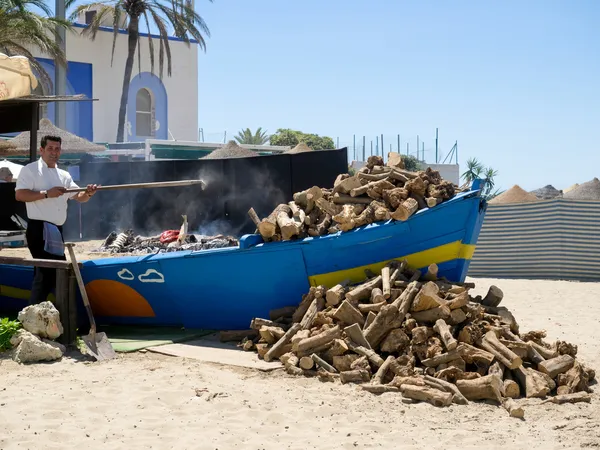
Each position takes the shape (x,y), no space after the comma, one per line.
(515,194)
(144,400)
(231,150)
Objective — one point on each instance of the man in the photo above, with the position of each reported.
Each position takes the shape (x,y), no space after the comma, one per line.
(6,176)
(42,186)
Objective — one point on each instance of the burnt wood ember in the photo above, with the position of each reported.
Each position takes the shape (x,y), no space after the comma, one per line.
(428,341)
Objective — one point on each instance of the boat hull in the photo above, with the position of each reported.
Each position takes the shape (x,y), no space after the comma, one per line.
(226,288)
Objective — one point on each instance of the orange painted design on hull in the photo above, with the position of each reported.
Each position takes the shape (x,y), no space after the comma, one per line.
(113,299)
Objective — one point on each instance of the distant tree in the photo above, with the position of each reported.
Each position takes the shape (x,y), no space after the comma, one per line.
(285,136)
(260,137)
(411,163)
(475,169)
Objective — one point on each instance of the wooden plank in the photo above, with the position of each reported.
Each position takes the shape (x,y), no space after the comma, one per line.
(62,305)
(73,317)
(48,263)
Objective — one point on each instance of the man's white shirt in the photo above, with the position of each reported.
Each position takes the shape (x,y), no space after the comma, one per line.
(37,176)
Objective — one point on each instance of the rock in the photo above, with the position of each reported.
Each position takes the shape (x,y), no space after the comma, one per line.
(33,349)
(43,320)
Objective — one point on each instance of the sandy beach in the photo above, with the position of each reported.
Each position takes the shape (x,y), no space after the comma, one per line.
(146,400)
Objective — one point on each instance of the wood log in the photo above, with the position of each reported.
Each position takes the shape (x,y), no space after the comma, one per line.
(248,345)
(346,185)
(271,334)
(383,370)
(459,301)
(361,363)
(254,217)
(257,322)
(345,199)
(427,298)
(395,197)
(532,353)
(387,319)
(432,202)
(406,209)
(348,314)
(278,348)
(497,369)
(431,315)
(432,272)
(343,363)
(286,311)
(377,295)
(511,389)
(576,397)
(443,358)
(444,331)
(504,316)
(328,207)
(302,334)
(395,342)
(320,339)
(356,335)
(371,355)
(363,291)
(555,366)
(405,301)
(262,349)
(493,297)
(287,225)
(369,320)
(338,348)
(307,198)
(379,388)
(532,382)
(501,352)
(385,281)
(457,396)
(421,334)
(354,376)
(236,335)
(289,359)
(306,363)
(513,409)
(484,388)
(368,177)
(426,394)
(457,316)
(322,363)
(545,352)
(335,295)
(416,276)
(307,299)
(416,186)
(268,226)
(366,308)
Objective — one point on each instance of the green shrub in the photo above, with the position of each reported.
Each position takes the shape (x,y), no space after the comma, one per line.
(8,328)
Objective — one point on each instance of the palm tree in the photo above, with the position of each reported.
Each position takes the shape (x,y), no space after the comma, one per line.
(21,30)
(476,169)
(178,15)
(258,138)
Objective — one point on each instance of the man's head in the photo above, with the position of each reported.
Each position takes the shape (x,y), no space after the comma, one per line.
(6,174)
(50,149)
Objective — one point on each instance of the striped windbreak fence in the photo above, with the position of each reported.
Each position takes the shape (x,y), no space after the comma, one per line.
(553,239)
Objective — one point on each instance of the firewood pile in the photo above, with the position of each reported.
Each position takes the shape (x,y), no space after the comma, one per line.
(376,193)
(423,337)
(127,242)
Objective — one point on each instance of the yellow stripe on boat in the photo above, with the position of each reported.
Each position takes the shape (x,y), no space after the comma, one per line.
(13,292)
(437,255)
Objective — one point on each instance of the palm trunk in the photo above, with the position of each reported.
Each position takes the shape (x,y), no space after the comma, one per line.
(133,37)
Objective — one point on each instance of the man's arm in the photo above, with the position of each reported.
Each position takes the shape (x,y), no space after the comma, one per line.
(27,195)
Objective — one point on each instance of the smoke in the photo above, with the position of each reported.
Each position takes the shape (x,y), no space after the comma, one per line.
(232,187)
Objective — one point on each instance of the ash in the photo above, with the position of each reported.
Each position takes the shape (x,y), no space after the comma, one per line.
(128,242)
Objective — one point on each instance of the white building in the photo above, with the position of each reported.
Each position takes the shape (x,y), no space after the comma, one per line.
(157,108)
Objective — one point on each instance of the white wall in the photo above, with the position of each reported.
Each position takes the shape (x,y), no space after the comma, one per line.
(181,87)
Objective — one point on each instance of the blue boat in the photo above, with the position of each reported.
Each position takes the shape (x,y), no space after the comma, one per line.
(225,288)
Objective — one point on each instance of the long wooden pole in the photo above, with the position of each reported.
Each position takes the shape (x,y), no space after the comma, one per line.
(158,184)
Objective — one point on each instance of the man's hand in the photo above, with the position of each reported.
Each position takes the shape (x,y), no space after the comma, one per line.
(56,191)
(91,189)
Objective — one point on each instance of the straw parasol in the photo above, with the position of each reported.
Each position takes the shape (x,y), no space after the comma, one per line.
(71,143)
(547,192)
(585,191)
(515,194)
(300,148)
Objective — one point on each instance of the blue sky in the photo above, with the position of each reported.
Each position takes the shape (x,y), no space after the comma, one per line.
(516,83)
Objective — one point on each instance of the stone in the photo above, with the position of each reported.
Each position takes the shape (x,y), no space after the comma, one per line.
(33,349)
(42,319)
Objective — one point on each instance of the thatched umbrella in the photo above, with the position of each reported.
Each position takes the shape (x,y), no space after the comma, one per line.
(547,192)
(71,143)
(300,148)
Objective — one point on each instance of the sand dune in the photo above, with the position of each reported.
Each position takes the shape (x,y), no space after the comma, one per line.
(145,400)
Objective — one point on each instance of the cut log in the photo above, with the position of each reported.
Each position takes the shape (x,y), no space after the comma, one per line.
(348,314)
(570,398)
(493,297)
(335,295)
(421,334)
(257,322)
(459,301)
(379,388)
(338,348)
(443,330)
(427,298)
(308,197)
(426,394)
(379,377)
(371,355)
(406,209)
(354,376)
(431,315)
(432,202)
(289,359)
(366,308)
(513,409)
(322,363)
(387,319)
(394,160)
(328,207)
(511,389)
(268,226)
(355,333)
(497,369)
(369,320)
(377,294)
(343,363)
(320,339)
(545,352)
(306,363)
(262,350)
(442,385)
(237,335)
(443,358)
(555,366)
(457,316)
(363,291)
(345,199)
(395,197)
(432,273)
(385,281)
(532,382)
(346,185)
(254,217)
(279,348)
(484,388)
(395,342)
(405,301)
(271,334)
(500,351)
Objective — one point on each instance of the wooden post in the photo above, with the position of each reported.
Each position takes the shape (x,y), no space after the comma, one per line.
(62,305)
(73,316)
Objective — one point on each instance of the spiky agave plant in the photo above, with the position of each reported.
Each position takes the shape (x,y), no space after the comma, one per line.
(22,31)
(246,136)
(178,15)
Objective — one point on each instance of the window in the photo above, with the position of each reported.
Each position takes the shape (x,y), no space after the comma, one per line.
(89,16)
(144,114)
